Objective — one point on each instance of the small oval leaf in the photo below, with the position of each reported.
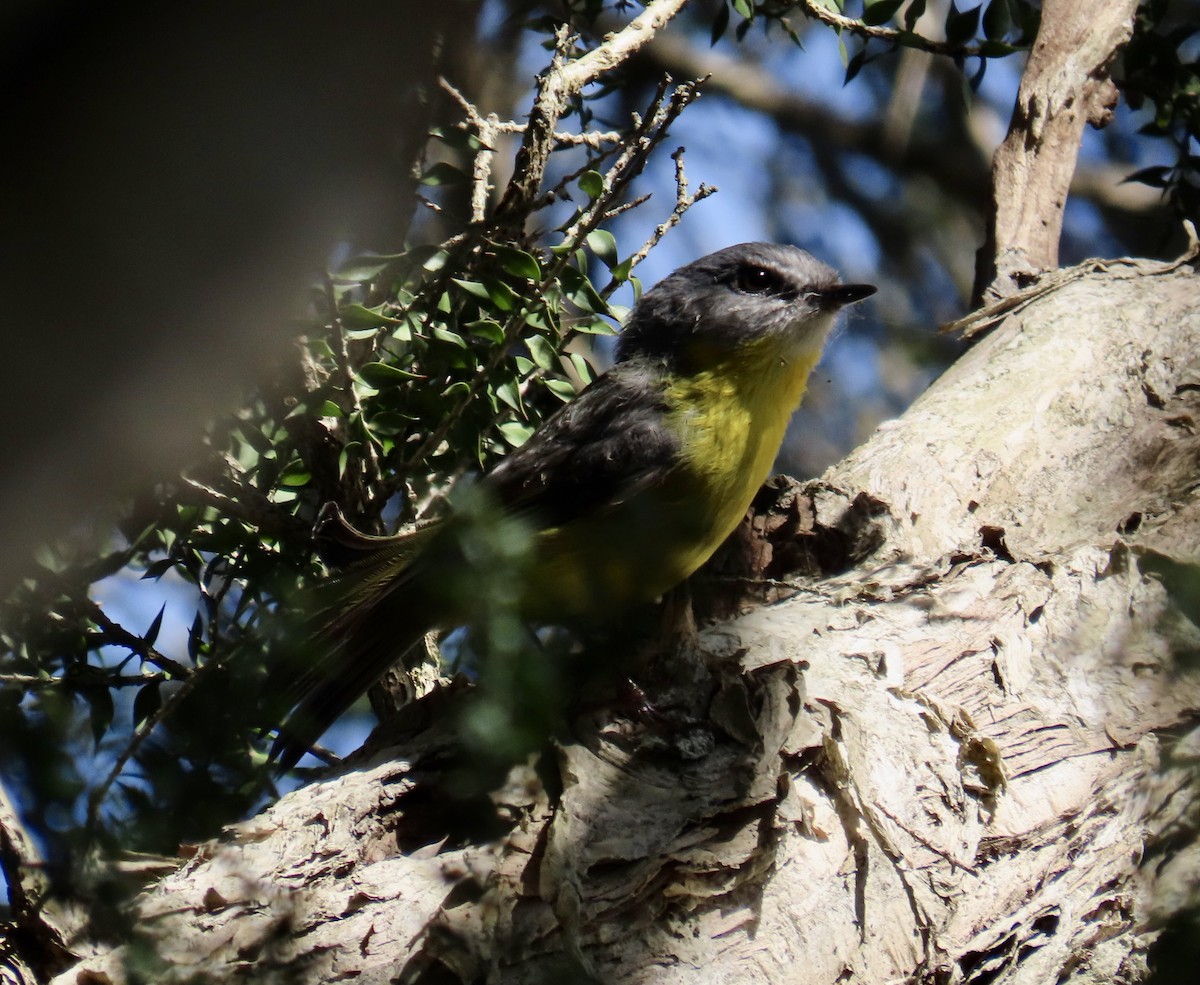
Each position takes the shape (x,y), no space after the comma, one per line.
(381,375)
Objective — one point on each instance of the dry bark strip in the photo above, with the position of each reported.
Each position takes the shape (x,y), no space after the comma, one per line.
(962,758)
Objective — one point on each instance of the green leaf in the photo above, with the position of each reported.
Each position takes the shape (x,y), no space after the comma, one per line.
(146,702)
(880,11)
(404,331)
(358,270)
(1156,177)
(537,320)
(745,8)
(485,328)
(473,288)
(443,174)
(720,24)
(543,352)
(519,263)
(296,477)
(593,326)
(156,625)
(156,569)
(998,49)
(348,449)
(913,14)
(560,388)
(591,183)
(580,292)
(516,433)
(997,20)
(961,25)
(582,368)
(508,391)
(435,261)
(856,64)
(500,294)
(100,710)
(357,316)
(448,336)
(195,641)
(458,137)
(382,375)
(604,245)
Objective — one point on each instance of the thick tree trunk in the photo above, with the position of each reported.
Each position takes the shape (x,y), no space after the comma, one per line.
(956,753)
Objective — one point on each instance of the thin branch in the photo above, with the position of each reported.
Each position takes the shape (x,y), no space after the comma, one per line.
(683,202)
(118,635)
(261,514)
(32,681)
(98,794)
(868,32)
(370,478)
(487,128)
(561,82)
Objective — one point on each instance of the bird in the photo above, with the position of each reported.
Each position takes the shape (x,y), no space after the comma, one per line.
(624,492)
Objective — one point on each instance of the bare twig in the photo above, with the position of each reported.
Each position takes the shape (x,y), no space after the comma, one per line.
(487,128)
(979,321)
(647,134)
(840,22)
(261,514)
(561,82)
(683,202)
(33,681)
(97,795)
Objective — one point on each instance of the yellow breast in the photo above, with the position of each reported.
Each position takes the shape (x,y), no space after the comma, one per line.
(731,419)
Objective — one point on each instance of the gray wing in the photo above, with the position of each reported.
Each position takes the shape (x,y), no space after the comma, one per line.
(608,443)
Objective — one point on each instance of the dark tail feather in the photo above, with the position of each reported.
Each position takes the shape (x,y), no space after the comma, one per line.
(326,699)
(360,622)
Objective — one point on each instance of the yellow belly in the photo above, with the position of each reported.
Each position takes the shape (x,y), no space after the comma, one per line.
(731,422)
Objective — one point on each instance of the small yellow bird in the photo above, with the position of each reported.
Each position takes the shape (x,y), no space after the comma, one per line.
(625,491)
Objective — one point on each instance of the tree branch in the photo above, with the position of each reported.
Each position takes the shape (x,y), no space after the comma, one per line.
(562,82)
(1065,85)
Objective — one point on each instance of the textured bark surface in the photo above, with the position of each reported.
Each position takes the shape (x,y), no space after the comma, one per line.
(955,750)
(1065,85)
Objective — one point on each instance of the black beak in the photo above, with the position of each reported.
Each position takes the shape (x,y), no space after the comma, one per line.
(841,295)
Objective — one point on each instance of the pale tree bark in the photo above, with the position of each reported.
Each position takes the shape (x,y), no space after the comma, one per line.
(1065,86)
(961,757)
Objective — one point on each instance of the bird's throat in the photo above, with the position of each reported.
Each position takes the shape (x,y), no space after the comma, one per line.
(732,418)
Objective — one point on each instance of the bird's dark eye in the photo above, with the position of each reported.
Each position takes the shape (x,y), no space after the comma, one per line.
(751,279)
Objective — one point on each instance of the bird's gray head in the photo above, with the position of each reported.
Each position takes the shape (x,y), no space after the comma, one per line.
(736,296)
